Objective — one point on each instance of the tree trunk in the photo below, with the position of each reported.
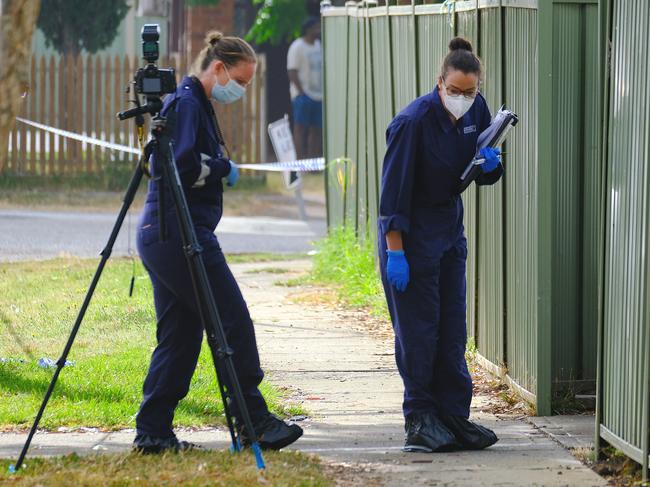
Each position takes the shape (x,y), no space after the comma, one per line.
(17,22)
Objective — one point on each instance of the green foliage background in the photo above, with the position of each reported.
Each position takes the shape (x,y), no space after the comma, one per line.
(72,25)
(277,21)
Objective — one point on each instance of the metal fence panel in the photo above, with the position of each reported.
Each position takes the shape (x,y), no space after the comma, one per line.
(466,24)
(362,140)
(335,36)
(404,59)
(569,46)
(434,33)
(490,250)
(370,133)
(382,89)
(521,211)
(352,124)
(625,353)
(592,232)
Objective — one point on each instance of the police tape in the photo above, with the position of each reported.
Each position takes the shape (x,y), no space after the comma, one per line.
(301,165)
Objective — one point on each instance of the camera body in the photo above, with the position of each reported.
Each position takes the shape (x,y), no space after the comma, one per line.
(150,80)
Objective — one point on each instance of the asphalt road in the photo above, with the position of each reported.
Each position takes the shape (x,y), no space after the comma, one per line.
(27,235)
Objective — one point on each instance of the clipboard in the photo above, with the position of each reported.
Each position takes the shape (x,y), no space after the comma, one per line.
(493,136)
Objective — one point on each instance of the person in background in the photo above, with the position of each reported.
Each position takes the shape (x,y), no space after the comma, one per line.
(423,251)
(305,66)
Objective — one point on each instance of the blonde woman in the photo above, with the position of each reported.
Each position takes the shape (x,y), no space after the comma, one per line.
(223,70)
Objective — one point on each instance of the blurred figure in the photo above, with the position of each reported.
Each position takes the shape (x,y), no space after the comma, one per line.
(305,66)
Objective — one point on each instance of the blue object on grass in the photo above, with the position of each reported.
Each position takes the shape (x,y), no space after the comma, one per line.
(12,360)
(48,363)
(12,468)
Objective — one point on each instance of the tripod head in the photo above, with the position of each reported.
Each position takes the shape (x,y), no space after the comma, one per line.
(152,107)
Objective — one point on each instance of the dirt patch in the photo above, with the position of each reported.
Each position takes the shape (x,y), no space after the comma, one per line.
(327,298)
(500,399)
(352,474)
(615,467)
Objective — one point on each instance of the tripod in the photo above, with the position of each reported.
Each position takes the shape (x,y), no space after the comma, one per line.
(161,146)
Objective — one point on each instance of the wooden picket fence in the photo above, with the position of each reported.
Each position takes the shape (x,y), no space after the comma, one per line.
(83,94)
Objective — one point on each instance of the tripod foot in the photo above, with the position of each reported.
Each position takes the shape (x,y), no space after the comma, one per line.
(12,468)
(259,459)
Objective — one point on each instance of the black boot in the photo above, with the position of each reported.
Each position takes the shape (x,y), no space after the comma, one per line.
(147,444)
(426,433)
(471,436)
(272,432)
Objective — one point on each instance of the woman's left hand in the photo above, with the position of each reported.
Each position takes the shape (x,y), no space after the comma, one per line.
(233,175)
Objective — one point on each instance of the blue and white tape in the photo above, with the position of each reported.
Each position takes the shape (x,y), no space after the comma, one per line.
(302,165)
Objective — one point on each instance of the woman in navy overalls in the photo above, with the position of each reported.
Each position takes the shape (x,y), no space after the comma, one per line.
(223,70)
(422,250)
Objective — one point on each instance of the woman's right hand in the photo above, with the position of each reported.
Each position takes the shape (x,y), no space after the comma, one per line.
(397,269)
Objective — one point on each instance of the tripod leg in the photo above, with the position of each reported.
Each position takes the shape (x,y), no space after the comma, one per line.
(213,324)
(106,253)
(236,444)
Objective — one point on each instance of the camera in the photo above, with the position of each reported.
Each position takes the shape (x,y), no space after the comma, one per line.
(150,80)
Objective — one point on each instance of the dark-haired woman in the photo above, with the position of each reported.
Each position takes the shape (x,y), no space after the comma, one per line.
(423,250)
(223,70)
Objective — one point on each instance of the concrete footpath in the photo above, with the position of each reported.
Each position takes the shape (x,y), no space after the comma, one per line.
(345,375)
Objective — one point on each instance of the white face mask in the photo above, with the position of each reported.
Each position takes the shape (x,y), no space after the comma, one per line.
(457,105)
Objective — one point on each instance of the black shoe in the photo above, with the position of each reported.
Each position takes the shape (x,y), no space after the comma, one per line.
(148,445)
(425,433)
(272,433)
(471,436)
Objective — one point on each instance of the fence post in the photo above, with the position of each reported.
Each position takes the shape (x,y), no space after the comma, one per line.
(51,117)
(544,209)
(605,26)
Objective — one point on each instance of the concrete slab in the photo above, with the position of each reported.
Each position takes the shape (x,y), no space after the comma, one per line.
(568,431)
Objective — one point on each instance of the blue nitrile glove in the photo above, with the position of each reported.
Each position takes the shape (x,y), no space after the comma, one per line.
(397,269)
(492,159)
(233,175)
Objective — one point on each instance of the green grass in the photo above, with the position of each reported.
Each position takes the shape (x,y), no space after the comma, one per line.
(350,266)
(191,468)
(39,302)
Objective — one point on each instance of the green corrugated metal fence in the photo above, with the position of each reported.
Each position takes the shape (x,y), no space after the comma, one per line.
(624,346)
(558,291)
(527,316)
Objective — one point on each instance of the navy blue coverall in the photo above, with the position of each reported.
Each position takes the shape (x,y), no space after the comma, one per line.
(179,328)
(426,155)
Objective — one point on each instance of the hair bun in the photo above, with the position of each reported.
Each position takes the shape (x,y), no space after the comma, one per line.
(213,37)
(458,43)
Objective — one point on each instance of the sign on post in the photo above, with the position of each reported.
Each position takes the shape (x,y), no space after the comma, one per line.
(285,150)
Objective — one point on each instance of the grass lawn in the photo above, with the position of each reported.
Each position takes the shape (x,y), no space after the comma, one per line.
(191,468)
(39,302)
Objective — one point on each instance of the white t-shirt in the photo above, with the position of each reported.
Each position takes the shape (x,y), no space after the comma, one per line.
(307,59)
